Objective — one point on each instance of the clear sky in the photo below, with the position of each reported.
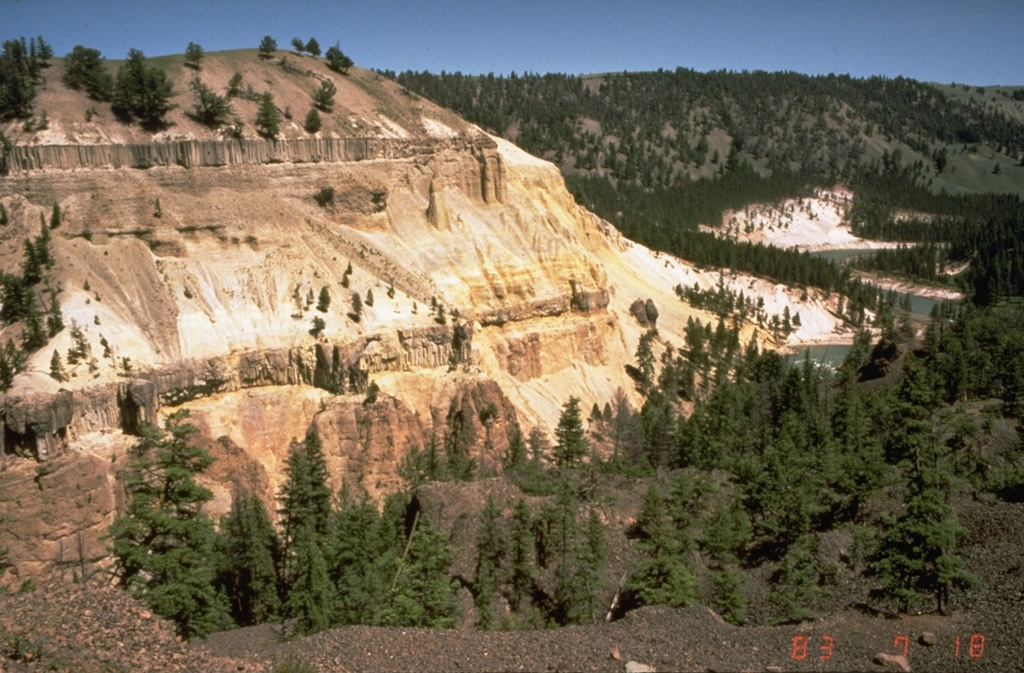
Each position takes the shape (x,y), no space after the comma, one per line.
(967,41)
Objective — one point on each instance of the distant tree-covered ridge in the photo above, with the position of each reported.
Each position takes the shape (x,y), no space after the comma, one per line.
(666,127)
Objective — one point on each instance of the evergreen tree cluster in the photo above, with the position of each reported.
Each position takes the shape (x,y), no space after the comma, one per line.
(653,128)
(21,71)
(20,302)
(326,566)
(141,92)
(805,450)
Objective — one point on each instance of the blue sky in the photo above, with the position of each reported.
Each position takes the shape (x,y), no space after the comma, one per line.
(976,42)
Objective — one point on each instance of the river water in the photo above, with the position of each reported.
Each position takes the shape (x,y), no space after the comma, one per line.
(833,354)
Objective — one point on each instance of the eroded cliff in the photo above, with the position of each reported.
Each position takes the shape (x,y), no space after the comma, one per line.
(458,271)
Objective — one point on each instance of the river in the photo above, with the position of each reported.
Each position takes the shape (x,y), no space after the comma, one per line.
(833,354)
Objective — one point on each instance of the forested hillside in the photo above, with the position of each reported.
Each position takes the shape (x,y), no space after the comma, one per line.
(664,129)
(659,153)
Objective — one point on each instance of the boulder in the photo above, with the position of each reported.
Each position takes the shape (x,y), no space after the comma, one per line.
(893,662)
(637,667)
(638,309)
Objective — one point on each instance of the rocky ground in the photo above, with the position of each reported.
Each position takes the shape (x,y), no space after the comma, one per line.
(86,627)
(90,627)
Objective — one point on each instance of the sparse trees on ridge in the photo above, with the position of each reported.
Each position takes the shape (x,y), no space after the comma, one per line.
(194,55)
(337,60)
(268,46)
(210,108)
(141,92)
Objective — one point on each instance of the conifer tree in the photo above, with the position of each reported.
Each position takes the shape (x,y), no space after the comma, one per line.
(357,560)
(490,549)
(305,497)
(662,574)
(794,587)
(163,543)
(268,117)
(421,593)
(57,368)
(521,562)
(33,335)
(310,595)
(194,55)
(268,46)
(916,556)
(54,319)
(210,107)
(249,552)
(312,123)
(645,362)
(306,518)
(323,98)
(141,92)
(324,301)
(337,60)
(571,443)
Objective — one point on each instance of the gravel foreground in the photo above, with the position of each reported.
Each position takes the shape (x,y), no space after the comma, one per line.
(92,628)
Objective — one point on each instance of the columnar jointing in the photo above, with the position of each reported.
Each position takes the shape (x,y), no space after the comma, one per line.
(250,151)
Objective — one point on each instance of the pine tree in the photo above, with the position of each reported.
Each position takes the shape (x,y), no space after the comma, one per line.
(306,518)
(249,552)
(312,123)
(421,593)
(727,597)
(515,454)
(337,60)
(57,368)
(662,574)
(490,549)
(571,443)
(141,92)
(194,55)
(521,562)
(164,542)
(562,545)
(645,362)
(210,107)
(305,496)
(323,98)
(916,556)
(33,335)
(357,561)
(794,589)
(357,307)
(324,301)
(268,117)
(268,46)
(310,595)
(54,319)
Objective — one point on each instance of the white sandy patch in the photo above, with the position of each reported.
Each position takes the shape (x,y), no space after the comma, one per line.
(391,129)
(437,129)
(816,223)
(514,155)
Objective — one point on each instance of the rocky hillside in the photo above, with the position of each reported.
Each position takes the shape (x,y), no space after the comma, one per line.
(266,282)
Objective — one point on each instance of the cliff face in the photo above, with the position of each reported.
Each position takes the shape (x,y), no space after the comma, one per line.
(264,284)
